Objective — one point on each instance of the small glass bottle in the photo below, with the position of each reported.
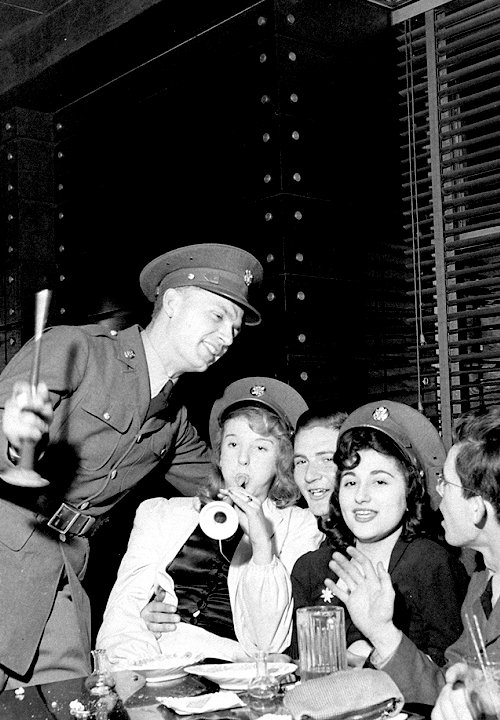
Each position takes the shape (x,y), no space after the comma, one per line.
(263,688)
(101,700)
(101,681)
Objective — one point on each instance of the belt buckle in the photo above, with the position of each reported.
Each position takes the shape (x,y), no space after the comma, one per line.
(63,519)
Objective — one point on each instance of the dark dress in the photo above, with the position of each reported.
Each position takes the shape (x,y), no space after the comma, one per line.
(430,584)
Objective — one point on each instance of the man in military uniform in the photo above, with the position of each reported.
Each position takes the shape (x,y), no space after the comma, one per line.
(102,419)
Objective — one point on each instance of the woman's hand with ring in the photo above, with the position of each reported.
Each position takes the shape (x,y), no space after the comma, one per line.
(253,522)
(368,594)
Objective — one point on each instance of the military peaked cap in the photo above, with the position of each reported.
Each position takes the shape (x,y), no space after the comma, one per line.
(222,269)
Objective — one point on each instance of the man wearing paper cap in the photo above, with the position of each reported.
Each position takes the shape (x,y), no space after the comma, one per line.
(103,418)
(470,505)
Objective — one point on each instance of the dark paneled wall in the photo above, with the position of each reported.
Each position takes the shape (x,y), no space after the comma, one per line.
(273,130)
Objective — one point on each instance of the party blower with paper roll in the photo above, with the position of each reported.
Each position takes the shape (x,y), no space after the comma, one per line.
(218,520)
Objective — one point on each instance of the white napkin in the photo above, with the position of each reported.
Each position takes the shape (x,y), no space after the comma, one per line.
(222,700)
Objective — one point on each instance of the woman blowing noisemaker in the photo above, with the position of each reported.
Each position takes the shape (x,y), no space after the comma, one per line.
(178,589)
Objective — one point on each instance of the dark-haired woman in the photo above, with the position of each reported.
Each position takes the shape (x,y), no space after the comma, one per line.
(380,505)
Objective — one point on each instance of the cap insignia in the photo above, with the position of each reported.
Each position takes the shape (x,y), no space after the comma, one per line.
(257,390)
(248,277)
(212,278)
(381,413)
(129,354)
(190,276)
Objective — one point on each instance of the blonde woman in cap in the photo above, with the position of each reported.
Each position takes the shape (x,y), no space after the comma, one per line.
(179,590)
(387,455)
(102,419)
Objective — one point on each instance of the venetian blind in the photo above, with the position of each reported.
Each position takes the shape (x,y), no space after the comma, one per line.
(449,89)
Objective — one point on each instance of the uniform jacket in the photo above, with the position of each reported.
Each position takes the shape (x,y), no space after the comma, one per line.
(408,662)
(99,449)
(430,584)
(260,596)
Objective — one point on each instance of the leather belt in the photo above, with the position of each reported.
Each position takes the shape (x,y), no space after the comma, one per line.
(67,520)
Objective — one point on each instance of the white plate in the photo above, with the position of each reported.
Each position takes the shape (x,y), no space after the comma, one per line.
(236,676)
(159,676)
(161,668)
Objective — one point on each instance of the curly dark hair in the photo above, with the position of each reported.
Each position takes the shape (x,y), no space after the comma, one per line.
(283,490)
(478,458)
(416,520)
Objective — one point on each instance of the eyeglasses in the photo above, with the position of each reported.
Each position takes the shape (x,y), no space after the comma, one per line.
(441,482)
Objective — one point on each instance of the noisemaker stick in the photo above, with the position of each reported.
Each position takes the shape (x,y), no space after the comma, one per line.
(42,301)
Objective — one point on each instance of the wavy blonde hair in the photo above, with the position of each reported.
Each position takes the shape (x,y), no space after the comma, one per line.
(283,490)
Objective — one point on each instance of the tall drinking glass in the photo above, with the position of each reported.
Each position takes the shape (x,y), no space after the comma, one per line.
(321,636)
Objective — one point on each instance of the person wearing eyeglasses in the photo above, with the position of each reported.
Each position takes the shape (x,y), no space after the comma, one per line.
(469,489)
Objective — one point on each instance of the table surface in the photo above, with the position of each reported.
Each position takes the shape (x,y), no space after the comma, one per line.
(137,701)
